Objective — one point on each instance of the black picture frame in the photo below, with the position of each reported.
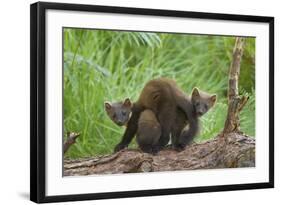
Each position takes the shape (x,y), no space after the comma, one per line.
(38,100)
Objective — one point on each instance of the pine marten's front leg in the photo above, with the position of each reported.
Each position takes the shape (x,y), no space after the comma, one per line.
(130,131)
(187,136)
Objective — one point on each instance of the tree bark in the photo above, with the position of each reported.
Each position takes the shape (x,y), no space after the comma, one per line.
(235,102)
(230,149)
(237,151)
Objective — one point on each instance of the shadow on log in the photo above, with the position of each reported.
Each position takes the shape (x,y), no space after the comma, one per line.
(231,151)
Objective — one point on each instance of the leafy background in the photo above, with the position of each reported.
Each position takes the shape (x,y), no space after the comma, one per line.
(102,65)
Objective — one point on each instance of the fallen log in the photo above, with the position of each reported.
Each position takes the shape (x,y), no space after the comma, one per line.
(231,151)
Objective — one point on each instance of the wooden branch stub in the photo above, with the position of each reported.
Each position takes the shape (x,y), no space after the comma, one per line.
(235,102)
(242,103)
(70,139)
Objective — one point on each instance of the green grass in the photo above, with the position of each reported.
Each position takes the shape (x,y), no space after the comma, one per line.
(107,65)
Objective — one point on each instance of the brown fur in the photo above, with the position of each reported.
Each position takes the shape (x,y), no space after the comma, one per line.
(149,131)
(173,110)
(163,97)
(149,127)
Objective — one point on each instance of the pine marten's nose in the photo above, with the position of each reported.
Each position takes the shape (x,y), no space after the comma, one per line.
(200,112)
(119,122)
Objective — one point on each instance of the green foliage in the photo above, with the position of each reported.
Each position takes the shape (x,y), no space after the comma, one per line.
(108,65)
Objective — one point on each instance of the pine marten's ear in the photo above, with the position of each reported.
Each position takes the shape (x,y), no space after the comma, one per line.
(127,103)
(213,99)
(195,93)
(107,105)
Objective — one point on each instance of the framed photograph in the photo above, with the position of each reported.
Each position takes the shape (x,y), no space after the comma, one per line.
(129,102)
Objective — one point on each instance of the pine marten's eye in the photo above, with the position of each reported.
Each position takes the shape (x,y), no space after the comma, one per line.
(123,113)
(114,116)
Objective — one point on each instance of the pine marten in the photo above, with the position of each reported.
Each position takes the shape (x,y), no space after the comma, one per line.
(166,101)
(201,102)
(149,129)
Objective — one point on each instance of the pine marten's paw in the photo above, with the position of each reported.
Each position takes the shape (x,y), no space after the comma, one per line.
(120,147)
(180,147)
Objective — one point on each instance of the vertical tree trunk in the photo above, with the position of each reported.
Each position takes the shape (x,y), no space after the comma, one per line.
(235,102)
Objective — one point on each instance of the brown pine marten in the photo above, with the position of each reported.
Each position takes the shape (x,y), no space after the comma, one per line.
(119,112)
(201,102)
(149,129)
(165,100)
